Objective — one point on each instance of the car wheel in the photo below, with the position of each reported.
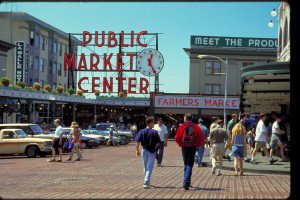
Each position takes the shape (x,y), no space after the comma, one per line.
(83,145)
(31,151)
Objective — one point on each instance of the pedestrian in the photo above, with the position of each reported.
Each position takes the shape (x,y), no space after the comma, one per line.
(250,139)
(243,118)
(149,139)
(213,123)
(188,137)
(57,141)
(261,138)
(275,138)
(76,137)
(217,141)
(111,135)
(163,135)
(229,127)
(239,143)
(200,150)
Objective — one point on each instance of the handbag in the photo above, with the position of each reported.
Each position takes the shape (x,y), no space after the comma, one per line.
(206,151)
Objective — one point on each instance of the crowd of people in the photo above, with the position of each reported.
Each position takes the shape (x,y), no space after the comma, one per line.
(193,137)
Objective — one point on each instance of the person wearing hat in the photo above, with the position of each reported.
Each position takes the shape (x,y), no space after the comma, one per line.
(149,139)
(163,135)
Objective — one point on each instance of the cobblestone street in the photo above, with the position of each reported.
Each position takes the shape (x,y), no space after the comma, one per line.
(115,172)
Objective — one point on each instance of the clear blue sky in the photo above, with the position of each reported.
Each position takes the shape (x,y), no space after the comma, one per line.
(176,20)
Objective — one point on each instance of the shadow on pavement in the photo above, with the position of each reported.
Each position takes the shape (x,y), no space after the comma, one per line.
(243,175)
(171,166)
(164,187)
(211,189)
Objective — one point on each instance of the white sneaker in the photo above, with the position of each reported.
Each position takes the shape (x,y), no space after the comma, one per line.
(219,172)
(146,186)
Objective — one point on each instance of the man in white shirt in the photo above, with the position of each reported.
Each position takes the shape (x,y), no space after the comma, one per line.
(163,134)
(261,139)
(57,141)
(275,138)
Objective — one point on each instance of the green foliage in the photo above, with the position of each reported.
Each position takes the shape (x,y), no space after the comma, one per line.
(97,93)
(37,86)
(70,91)
(5,81)
(60,89)
(21,84)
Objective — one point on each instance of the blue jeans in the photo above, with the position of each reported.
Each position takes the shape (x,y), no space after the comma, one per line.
(149,159)
(199,154)
(188,155)
(160,152)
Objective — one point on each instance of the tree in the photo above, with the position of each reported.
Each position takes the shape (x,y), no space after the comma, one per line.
(47,88)
(21,84)
(70,91)
(37,86)
(60,89)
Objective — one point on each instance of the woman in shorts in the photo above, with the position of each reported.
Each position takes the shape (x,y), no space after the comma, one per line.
(239,142)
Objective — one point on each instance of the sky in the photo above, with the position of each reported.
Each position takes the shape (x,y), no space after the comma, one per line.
(177,22)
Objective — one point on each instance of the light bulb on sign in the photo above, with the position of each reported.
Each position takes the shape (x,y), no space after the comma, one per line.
(274,13)
(270,24)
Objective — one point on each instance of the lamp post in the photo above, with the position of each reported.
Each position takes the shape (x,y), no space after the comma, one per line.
(226,78)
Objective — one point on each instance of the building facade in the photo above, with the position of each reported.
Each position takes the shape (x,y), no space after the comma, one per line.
(207,75)
(39,55)
(266,88)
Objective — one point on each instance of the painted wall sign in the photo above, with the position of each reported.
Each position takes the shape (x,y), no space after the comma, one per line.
(196,102)
(234,42)
(19,61)
(26,79)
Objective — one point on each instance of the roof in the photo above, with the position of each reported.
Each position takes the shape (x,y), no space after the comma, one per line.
(231,51)
(5,46)
(267,68)
(22,16)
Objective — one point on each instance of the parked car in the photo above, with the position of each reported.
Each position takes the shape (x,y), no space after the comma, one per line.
(16,141)
(93,134)
(85,140)
(32,130)
(106,127)
(105,134)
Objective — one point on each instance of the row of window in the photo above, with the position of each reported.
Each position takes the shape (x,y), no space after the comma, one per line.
(57,47)
(214,67)
(212,88)
(56,69)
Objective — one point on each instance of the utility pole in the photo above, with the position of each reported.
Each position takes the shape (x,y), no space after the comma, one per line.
(120,74)
(156,85)
(70,71)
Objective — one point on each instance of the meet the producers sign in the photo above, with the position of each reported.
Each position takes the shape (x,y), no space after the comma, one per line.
(234,42)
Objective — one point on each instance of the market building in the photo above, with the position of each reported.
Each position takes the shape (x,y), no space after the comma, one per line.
(38,56)
(39,52)
(266,87)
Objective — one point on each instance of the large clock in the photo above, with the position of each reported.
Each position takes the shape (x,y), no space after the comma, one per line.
(150,62)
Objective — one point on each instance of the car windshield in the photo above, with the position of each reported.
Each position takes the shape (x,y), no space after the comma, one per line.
(21,134)
(103,127)
(36,129)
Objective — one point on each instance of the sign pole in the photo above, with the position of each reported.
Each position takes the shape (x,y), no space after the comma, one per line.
(156,76)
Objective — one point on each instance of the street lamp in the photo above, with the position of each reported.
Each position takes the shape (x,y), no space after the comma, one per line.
(273,14)
(226,77)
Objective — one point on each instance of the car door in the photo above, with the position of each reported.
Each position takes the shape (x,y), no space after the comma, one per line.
(11,145)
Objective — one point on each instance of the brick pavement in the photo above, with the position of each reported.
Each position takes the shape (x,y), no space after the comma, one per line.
(115,172)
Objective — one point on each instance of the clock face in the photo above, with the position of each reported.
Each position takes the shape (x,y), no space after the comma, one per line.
(150,62)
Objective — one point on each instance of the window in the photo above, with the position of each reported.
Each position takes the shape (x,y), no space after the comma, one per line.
(59,69)
(212,89)
(212,67)
(207,89)
(9,135)
(43,41)
(60,49)
(216,89)
(54,47)
(36,63)
(37,40)
(42,65)
(54,68)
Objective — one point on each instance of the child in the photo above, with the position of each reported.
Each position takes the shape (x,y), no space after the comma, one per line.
(239,142)
(75,134)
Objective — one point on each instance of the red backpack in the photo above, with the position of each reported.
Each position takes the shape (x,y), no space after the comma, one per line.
(188,135)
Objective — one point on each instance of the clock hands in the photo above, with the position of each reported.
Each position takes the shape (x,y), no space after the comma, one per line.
(150,63)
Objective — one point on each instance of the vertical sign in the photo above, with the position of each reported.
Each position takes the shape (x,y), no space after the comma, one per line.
(26,63)
(19,61)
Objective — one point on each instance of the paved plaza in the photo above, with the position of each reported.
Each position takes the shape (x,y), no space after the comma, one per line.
(115,172)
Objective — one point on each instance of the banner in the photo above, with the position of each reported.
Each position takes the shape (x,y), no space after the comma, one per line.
(196,102)
(19,61)
(26,64)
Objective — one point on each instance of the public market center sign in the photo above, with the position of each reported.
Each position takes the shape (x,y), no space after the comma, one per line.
(200,41)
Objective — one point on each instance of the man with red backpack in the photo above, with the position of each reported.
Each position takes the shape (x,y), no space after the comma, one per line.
(188,137)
